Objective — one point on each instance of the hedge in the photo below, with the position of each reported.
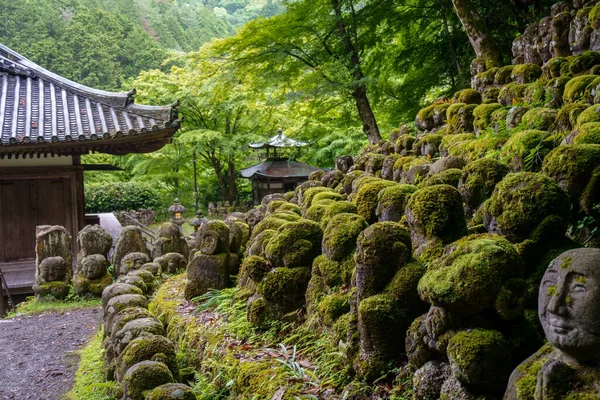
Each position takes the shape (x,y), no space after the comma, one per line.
(120,196)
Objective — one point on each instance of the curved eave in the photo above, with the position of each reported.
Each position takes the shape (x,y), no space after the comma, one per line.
(117,145)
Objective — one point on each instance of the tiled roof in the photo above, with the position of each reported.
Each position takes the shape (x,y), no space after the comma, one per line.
(40,107)
(279,169)
(279,141)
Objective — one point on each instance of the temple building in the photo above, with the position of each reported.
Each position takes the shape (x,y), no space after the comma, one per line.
(46,123)
(277,174)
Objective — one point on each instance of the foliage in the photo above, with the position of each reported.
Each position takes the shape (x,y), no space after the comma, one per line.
(119,196)
(89,378)
(34,306)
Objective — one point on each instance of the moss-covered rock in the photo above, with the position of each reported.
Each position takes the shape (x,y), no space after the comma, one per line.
(172,391)
(367,198)
(256,246)
(490,95)
(451,141)
(348,180)
(339,238)
(392,201)
(469,96)
(284,289)
(521,202)
(583,62)
(205,272)
(590,114)
(511,94)
(295,245)
(483,115)
(566,118)
(478,180)
(526,150)
(575,88)
(435,212)
(447,177)
(552,68)
(273,222)
(588,134)
(430,144)
(469,277)
(474,353)
(540,118)
(333,306)
(526,73)
(374,163)
(317,211)
(460,118)
(309,194)
(571,167)
(143,377)
(381,250)
(92,287)
(150,347)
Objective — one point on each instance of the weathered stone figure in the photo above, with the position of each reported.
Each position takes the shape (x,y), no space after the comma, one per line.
(130,241)
(92,274)
(54,261)
(569,310)
(169,241)
(209,269)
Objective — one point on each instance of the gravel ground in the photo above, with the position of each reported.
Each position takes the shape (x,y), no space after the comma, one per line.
(37,359)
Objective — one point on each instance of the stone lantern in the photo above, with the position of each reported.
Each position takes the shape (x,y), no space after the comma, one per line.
(198,221)
(177,213)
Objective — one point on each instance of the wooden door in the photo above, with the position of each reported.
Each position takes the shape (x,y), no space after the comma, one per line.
(24,204)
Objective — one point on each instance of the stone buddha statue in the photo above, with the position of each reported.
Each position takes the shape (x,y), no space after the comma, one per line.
(569,310)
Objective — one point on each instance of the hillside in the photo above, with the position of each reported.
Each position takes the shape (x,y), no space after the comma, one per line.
(104,43)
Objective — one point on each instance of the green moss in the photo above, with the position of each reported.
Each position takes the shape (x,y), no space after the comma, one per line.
(309,194)
(469,96)
(518,150)
(527,383)
(589,133)
(375,163)
(552,69)
(590,114)
(449,176)
(469,278)
(285,287)
(575,88)
(583,62)
(474,353)
(279,205)
(367,197)
(437,211)
(339,239)
(460,118)
(333,306)
(402,289)
(295,245)
(272,222)
(316,212)
(451,141)
(483,115)
(526,73)
(571,166)
(404,143)
(392,200)
(522,201)
(339,207)
(511,94)
(478,180)
(145,376)
(262,379)
(490,95)
(430,144)
(566,118)
(504,75)
(327,196)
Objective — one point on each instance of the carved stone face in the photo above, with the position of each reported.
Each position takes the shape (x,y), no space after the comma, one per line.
(569,304)
(94,266)
(53,269)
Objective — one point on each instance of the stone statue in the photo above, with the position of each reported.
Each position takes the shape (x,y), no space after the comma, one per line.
(92,274)
(569,310)
(169,240)
(54,261)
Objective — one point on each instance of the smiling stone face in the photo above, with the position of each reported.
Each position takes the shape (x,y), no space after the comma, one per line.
(569,304)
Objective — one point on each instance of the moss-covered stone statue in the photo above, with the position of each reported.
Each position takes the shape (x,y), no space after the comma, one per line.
(385,300)
(209,268)
(92,276)
(567,367)
(130,240)
(476,321)
(169,240)
(54,261)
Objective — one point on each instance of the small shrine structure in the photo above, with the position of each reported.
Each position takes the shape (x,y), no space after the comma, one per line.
(46,123)
(277,174)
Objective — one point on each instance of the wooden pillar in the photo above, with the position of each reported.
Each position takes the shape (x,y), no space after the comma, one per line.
(2,305)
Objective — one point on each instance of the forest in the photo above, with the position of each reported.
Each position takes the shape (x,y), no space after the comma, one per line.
(321,70)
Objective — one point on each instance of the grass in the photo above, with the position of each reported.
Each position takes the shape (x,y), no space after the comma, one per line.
(89,379)
(33,306)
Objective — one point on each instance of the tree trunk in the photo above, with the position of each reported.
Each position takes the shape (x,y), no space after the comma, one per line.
(232,180)
(365,112)
(482,41)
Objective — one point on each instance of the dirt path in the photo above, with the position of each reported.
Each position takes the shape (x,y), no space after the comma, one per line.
(37,359)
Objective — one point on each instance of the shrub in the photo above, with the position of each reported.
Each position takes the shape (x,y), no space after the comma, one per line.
(120,196)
